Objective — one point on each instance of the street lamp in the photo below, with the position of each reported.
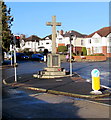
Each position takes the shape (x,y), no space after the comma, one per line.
(71,38)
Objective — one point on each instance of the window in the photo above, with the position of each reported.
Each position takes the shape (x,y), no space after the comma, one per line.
(82,42)
(109,49)
(97,49)
(60,38)
(90,41)
(28,43)
(96,40)
(109,40)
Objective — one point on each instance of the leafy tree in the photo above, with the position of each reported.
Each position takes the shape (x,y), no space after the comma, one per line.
(6,22)
(62,48)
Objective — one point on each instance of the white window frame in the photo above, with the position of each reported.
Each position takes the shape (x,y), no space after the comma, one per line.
(96,40)
(108,49)
(98,49)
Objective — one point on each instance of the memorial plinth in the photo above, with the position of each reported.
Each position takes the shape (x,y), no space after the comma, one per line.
(53,69)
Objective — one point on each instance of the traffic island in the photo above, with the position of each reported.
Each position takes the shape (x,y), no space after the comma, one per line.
(68,86)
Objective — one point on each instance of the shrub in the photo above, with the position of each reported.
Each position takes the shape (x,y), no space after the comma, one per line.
(62,48)
(84,51)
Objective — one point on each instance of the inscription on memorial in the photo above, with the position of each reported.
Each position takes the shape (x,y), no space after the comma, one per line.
(55,61)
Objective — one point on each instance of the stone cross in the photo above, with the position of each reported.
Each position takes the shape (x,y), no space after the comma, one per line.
(53,24)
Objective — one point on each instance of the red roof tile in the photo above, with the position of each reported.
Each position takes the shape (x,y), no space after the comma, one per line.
(102,32)
(33,38)
(67,34)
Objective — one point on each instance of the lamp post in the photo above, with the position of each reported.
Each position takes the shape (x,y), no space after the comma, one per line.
(71,38)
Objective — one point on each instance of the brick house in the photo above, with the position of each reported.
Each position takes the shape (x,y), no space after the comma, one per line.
(95,43)
(63,39)
(99,42)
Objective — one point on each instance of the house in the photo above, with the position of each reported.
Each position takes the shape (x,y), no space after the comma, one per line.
(36,44)
(45,43)
(31,43)
(63,39)
(95,43)
(99,42)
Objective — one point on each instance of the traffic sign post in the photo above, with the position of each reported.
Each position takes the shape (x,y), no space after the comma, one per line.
(95,81)
(15,61)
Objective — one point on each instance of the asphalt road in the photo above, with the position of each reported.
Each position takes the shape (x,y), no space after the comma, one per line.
(82,68)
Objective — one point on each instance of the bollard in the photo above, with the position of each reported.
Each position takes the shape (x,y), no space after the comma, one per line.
(95,81)
(45,58)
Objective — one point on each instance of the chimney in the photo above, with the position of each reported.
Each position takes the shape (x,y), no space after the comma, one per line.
(61,32)
(22,36)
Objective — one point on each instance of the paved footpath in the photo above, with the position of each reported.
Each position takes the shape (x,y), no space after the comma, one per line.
(26,104)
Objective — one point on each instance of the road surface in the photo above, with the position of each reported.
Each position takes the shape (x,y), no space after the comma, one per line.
(82,68)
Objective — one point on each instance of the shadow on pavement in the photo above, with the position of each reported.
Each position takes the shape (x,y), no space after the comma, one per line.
(18,105)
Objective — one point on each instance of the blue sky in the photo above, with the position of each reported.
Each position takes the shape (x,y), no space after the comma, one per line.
(85,17)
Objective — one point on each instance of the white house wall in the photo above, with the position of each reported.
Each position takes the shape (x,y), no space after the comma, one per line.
(94,43)
(46,44)
(59,40)
(109,40)
(79,42)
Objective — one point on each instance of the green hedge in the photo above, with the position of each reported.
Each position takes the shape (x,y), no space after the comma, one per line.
(98,54)
(62,48)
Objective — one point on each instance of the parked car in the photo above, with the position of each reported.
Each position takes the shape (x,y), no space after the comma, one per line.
(22,56)
(38,57)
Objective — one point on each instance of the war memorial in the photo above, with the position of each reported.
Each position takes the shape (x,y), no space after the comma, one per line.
(53,69)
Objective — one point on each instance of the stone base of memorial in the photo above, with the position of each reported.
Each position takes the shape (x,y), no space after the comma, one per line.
(53,69)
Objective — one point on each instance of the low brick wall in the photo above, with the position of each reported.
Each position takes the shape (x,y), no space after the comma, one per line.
(93,58)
